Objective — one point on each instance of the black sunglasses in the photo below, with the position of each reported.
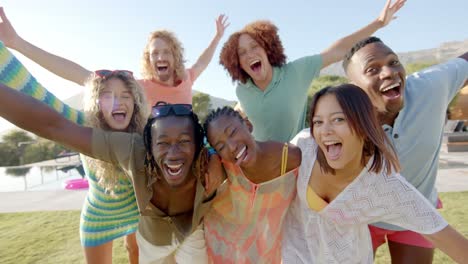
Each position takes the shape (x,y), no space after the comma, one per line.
(163,109)
(106,73)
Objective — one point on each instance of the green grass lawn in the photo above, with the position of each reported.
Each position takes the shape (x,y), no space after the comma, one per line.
(52,237)
(45,237)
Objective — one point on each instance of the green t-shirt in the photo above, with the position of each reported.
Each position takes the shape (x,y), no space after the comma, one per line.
(279,112)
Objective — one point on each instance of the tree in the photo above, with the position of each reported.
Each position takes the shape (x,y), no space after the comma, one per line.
(15,137)
(324,81)
(12,146)
(320,83)
(19,147)
(43,149)
(201,104)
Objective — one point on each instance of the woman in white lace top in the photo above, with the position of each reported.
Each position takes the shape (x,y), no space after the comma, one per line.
(348,179)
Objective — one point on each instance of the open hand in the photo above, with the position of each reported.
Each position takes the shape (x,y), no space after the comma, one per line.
(7,33)
(389,10)
(221,25)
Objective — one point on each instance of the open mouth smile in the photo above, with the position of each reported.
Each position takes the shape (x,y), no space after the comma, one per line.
(241,156)
(333,148)
(174,170)
(256,65)
(162,67)
(392,91)
(119,115)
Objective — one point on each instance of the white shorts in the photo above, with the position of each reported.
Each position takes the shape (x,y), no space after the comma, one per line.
(191,250)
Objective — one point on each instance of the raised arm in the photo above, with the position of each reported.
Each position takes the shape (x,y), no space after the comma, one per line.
(338,50)
(207,55)
(14,75)
(36,117)
(55,64)
(451,243)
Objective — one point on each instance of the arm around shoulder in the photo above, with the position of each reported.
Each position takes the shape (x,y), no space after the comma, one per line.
(294,157)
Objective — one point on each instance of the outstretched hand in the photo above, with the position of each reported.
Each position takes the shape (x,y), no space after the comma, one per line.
(221,25)
(7,33)
(389,11)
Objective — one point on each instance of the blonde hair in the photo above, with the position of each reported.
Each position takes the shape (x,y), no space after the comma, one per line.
(147,69)
(106,173)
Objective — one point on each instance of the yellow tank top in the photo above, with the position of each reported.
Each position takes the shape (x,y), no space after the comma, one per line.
(315,202)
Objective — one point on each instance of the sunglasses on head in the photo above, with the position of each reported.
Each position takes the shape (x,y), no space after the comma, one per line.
(106,73)
(163,109)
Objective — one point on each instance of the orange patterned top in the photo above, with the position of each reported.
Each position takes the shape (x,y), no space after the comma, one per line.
(245,222)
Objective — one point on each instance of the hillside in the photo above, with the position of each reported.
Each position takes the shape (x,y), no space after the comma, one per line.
(76,101)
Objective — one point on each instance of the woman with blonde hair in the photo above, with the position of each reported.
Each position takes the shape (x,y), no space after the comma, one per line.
(114,102)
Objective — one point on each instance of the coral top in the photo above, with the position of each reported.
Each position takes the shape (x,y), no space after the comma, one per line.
(179,94)
(245,222)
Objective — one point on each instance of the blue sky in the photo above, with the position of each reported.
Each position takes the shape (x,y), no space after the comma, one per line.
(112,34)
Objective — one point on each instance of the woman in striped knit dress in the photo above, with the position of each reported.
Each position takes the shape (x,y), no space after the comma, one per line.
(114,102)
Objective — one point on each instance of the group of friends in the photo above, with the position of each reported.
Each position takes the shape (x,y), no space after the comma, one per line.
(265,189)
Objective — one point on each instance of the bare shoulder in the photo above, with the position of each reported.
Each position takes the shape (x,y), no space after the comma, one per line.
(294,156)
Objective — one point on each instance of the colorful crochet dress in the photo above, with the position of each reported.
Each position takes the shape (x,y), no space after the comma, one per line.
(104,217)
(245,222)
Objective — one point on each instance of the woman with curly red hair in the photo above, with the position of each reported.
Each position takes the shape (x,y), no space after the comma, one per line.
(273,93)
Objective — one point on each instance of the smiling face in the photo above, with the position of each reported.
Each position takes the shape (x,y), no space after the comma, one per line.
(116,104)
(162,60)
(342,147)
(174,148)
(377,70)
(254,60)
(232,140)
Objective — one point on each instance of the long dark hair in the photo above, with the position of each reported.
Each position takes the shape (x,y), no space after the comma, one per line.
(362,118)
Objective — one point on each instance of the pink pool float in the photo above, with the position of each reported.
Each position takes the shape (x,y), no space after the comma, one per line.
(76,184)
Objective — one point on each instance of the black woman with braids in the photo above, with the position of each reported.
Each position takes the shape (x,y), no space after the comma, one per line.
(166,166)
(244,223)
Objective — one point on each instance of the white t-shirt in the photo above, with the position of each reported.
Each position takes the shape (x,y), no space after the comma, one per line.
(339,233)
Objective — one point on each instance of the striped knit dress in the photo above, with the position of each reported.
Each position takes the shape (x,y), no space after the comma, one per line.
(104,217)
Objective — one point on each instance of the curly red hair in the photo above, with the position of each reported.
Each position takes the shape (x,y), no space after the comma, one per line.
(266,35)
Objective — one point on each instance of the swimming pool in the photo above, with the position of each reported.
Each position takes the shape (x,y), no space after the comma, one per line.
(36,179)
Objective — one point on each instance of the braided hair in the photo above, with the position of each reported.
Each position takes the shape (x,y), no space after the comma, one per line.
(215,114)
(199,165)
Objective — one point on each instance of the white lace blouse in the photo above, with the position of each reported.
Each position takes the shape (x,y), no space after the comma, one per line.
(339,232)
